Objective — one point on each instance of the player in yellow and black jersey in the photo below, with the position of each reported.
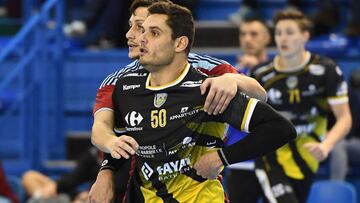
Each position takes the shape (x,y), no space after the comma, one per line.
(180,153)
(304,88)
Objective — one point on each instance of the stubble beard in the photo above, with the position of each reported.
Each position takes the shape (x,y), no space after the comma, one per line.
(157,64)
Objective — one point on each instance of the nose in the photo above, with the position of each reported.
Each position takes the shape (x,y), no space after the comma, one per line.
(247,38)
(129,34)
(142,38)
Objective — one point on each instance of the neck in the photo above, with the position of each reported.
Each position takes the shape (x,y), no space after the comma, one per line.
(293,62)
(263,56)
(168,73)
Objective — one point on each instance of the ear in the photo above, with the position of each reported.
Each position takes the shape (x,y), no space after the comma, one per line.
(306,35)
(181,43)
(267,36)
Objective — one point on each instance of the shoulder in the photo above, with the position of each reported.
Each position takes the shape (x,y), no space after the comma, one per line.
(135,75)
(323,60)
(323,65)
(204,61)
(262,69)
(112,78)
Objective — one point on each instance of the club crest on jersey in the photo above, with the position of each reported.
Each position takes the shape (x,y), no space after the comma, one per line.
(160,99)
(292,82)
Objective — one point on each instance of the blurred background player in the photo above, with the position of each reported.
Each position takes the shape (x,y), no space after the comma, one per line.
(303,87)
(347,152)
(254,37)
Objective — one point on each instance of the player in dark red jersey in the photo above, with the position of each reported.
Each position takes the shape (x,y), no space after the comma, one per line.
(180,151)
(219,95)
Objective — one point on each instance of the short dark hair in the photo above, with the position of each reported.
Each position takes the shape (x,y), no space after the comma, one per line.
(293,14)
(255,19)
(144,3)
(180,20)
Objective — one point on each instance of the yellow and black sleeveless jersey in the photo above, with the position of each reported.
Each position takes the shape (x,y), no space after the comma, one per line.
(303,97)
(173,131)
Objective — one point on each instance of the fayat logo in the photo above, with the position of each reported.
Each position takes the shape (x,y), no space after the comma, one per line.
(167,170)
(147,171)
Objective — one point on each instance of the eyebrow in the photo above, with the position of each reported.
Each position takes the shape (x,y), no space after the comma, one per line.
(155,28)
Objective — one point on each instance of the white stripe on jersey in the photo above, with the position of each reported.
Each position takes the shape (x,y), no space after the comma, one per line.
(265,184)
(112,78)
(338,100)
(248,114)
(196,60)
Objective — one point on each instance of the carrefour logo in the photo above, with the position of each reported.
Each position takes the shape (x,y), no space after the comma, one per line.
(133,118)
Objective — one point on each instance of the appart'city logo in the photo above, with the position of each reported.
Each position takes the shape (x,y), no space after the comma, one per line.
(133,118)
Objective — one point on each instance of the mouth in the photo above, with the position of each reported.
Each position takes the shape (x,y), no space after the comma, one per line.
(284,47)
(132,45)
(143,51)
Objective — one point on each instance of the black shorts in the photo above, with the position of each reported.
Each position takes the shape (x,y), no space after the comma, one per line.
(276,185)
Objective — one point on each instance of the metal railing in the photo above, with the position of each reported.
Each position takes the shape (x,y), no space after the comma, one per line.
(31,71)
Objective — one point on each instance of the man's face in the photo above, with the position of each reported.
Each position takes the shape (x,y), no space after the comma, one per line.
(132,36)
(290,40)
(253,37)
(156,47)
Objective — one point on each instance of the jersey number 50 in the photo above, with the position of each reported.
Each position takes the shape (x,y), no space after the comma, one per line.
(158,118)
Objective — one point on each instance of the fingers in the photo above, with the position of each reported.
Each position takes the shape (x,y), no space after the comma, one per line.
(204,169)
(219,95)
(205,85)
(316,151)
(215,101)
(220,104)
(207,174)
(225,105)
(124,146)
(209,101)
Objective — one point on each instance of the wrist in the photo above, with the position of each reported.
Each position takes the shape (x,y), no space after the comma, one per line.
(327,145)
(106,173)
(222,158)
(109,143)
(217,160)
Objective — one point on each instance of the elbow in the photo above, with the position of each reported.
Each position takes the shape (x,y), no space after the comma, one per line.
(93,136)
(290,131)
(264,96)
(286,130)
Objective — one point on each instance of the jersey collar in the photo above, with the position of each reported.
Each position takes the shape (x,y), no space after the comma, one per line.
(292,69)
(170,84)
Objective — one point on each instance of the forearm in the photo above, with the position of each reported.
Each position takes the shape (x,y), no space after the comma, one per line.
(268,131)
(106,175)
(102,130)
(338,131)
(101,136)
(341,127)
(249,86)
(266,138)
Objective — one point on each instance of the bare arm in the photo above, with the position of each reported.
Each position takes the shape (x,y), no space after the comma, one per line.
(340,129)
(103,188)
(39,185)
(222,90)
(102,130)
(104,138)
(249,86)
